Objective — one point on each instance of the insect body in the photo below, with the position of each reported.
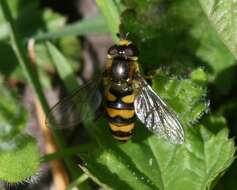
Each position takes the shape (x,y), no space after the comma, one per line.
(120,70)
(126,96)
(120,113)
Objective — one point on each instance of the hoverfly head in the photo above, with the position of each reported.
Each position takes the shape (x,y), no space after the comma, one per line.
(125,48)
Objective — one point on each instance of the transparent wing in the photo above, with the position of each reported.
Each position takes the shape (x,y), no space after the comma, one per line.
(76,108)
(156,115)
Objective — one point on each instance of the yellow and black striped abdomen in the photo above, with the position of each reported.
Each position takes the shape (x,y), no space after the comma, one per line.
(120,113)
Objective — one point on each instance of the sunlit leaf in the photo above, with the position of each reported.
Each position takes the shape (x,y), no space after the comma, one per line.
(19,159)
(223,16)
(149,162)
(19,154)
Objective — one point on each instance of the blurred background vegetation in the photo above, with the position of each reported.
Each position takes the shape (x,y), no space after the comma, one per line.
(48,48)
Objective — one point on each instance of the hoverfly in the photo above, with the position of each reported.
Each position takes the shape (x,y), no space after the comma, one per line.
(126,95)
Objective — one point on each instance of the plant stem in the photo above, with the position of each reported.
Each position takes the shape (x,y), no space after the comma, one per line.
(32,76)
(67,152)
(78,181)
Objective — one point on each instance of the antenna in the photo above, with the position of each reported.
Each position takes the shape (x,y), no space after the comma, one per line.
(127,34)
(122,35)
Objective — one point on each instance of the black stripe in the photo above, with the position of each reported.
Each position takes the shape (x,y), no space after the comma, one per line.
(120,120)
(120,94)
(121,134)
(120,105)
(117,124)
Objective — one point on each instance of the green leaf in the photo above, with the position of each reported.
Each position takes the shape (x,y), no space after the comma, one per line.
(111,14)
(86,26)
(223,16)
(13,6)
(177,35)
(19,154)
(64,69)
(53,20)
(72,49)
(19,159)
(199,76)
(185,96)
(13,116)
(149,162)
(4,31)
(41,19)
(9,61)
(35,23)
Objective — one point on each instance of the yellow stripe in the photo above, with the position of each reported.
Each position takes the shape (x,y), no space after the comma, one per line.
(110,96)
(126,114)
(128,99)
(122,138)
(125,128)
(133,58)
(123,42)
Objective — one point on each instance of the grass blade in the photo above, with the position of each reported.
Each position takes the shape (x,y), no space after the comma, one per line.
(64,69)
(86,26)
(111,14)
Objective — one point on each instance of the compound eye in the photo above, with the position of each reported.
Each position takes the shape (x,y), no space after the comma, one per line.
(113,50)
(128,51)
(131,50)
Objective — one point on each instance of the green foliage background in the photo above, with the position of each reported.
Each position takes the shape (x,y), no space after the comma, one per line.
(191,48)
